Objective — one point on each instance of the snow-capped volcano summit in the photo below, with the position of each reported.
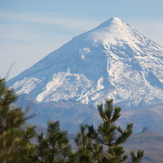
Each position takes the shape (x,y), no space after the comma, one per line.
(112,32)
(112,60)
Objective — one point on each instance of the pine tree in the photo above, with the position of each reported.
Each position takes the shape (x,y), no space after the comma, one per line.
(97,152)
(54,148)
(138,157)
(83,143)
(88,151)
(15,143)
(112,136)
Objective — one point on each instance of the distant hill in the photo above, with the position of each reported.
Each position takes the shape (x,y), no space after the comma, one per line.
(149,141)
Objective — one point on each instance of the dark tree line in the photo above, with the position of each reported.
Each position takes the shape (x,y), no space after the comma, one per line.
(101,145)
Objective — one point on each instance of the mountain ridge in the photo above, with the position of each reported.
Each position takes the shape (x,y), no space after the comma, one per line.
(71,114)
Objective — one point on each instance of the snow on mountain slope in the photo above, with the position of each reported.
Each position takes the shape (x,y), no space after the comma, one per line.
(113,60)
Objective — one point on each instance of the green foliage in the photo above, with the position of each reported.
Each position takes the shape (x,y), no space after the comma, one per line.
(83,143)
(111,136)
(15,143)
(97,153)
(53,148)
(138,157)
(88,150)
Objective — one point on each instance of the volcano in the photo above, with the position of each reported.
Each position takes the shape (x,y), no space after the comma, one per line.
(112,60)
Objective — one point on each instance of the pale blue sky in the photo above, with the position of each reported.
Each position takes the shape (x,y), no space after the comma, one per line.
(30,30)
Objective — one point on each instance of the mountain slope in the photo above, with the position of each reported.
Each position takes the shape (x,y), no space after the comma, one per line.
(71,114)
(113,60)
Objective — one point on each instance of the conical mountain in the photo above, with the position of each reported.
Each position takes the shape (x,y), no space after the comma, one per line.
(113,60)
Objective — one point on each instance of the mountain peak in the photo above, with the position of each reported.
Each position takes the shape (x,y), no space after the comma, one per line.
(114,21)
(115,32)
(113,60)
(148,131)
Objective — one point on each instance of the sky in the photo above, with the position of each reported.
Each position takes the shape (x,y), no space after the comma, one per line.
(30,30)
